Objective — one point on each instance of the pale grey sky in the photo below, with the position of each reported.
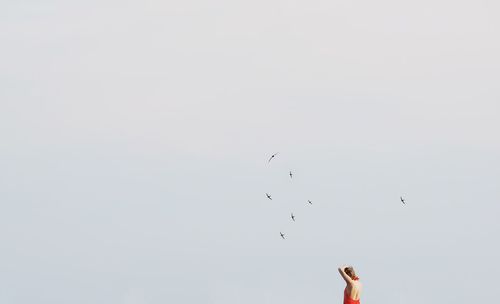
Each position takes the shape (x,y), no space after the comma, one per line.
(134,138)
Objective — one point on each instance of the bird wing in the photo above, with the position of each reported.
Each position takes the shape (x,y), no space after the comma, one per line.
(272,156)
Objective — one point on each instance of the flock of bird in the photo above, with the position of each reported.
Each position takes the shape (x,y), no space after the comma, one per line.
(292,216)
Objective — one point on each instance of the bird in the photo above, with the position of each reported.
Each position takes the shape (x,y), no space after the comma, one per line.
(309,201)
(402,200)
(290,174)
(282,235)
(269,196)
(272,156)
(293,217)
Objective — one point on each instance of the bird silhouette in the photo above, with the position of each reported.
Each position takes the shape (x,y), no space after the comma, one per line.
(402,200)
(290,174)
(272,156)
(309,202)
(293,217)
(282,235)
(269,196)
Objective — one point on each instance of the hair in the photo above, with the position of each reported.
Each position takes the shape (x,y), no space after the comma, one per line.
(350,272)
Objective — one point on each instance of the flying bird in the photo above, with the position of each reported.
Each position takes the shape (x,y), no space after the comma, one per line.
(272,156)
(269,196)
(309,202)
(293,217)
(402,200)
(282,235)
(290,174)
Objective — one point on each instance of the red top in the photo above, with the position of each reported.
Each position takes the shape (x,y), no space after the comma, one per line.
(348,300)
(347,297)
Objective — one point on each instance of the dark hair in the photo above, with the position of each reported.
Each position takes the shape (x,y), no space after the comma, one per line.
(350,272)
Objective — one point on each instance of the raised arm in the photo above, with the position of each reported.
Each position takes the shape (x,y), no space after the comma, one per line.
(344,275)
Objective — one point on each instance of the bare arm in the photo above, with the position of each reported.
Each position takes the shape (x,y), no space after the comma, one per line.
(344,275)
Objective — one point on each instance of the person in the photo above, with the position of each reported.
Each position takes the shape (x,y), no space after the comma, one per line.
(352,291)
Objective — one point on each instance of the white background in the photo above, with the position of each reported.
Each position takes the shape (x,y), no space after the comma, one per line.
(134,138)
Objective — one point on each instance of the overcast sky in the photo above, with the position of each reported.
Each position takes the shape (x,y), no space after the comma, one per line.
(134,138)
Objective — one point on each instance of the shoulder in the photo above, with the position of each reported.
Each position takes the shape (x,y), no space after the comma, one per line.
(357,284)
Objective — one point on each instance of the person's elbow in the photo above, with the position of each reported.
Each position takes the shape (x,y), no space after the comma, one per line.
(342,273)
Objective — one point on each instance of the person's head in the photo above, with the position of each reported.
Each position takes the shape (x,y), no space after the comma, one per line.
(350,272)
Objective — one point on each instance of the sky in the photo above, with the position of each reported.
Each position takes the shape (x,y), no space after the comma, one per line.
(134,139)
